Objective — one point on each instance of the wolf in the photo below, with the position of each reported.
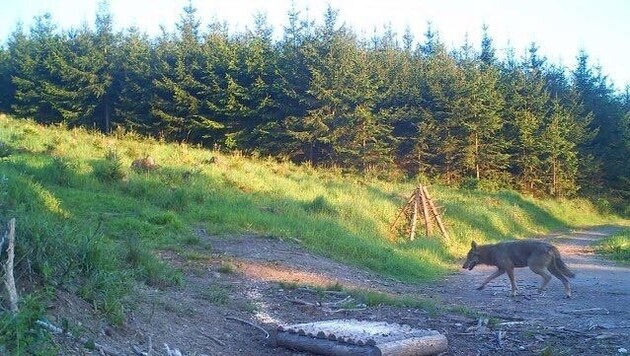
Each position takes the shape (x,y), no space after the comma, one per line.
(538,255)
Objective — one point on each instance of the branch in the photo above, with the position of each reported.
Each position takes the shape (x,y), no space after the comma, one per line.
(248,323)
(9,280)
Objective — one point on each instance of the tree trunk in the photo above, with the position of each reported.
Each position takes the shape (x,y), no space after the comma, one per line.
(477,156)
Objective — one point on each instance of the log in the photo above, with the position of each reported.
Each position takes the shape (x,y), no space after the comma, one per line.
(416,346)
(324,346)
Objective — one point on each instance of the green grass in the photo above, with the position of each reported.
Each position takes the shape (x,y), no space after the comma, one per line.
(90,223)
(617,246)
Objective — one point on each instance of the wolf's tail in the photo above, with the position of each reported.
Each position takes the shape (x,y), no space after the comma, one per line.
(560,265)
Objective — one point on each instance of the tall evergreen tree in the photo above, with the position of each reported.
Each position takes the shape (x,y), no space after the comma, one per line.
(525,110)
(83,74)
(260,75)
(29,60)
(7,89)
(179,107)
(478,108)
(134,83)
(596,95)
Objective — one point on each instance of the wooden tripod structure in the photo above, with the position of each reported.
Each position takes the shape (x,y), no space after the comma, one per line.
(421,202)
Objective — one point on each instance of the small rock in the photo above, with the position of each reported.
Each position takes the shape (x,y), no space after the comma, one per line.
(622,350)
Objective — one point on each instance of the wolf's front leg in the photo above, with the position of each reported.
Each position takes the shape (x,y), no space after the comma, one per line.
(494,275)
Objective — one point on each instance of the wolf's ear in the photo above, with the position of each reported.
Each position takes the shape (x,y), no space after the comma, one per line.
(473,245)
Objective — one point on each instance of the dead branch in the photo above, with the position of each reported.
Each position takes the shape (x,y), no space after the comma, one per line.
(83,340)
(402,210)
(248,323)
(300,301)
(333,311)
(347,299)
(435,212)
(586,311)
(173,352)
(500,334)
(9,280)
(211,337)
(136,350)
(414,219)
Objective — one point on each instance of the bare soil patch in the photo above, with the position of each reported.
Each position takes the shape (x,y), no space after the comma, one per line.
(242,283)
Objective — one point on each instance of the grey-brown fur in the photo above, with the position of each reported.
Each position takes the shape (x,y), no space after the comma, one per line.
(539,256)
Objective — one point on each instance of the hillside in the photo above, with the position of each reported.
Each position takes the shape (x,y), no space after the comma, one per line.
(91,226)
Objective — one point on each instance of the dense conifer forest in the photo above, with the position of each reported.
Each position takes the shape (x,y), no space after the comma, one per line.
(391,104)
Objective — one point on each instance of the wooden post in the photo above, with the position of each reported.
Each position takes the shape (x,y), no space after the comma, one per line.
(435,213)
(425,211)
(409,201)
(9,281)
(414,219)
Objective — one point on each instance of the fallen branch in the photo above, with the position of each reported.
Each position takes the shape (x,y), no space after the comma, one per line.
(248,323)
(500,334)
(83,340)
(300,301)
(211,338)
(585,311)
(136,350)
(328,310)
(173,352)
(9,280)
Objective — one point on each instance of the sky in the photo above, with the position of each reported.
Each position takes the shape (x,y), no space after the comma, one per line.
(559,27)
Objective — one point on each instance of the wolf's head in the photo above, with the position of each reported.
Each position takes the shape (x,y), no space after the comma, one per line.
(473,257)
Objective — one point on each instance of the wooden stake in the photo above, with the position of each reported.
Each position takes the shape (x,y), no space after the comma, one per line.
(425,211)
(402,210)
(435,213)
(414,219)
(9,280)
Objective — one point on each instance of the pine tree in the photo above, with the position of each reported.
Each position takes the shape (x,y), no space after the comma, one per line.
(596,95)
(526,106)
(478,107)
(134,83)
(7,89)
(259,74)
(29,57)
(561,136)
(82,70)
(179,106)
(487,55)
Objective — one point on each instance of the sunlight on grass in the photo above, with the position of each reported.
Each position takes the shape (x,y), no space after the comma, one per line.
(57,176)
(617,246)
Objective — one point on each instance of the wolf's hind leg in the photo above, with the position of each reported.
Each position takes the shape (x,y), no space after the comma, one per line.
(556,272)
(540,270)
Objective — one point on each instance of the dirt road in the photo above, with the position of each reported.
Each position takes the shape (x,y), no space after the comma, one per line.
(601,290)
(253,279)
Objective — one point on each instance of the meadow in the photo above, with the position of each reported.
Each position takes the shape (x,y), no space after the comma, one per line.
(91,224)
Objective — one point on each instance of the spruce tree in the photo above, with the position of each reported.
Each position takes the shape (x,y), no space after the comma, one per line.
(179,106)
(82,69)
(596,95)
(134,83)
(31,69)
(7,89)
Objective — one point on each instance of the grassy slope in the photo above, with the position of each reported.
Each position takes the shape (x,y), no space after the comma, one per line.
(82,212)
